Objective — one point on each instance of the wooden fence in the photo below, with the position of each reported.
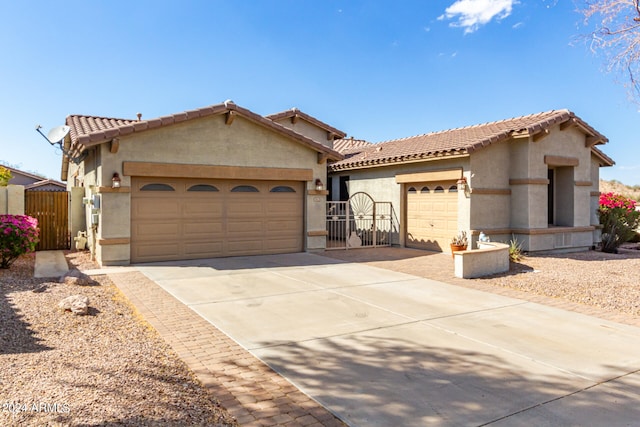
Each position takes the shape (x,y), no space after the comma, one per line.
(51,209)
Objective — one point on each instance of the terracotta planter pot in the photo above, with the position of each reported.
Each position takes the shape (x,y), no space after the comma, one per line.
(455,248)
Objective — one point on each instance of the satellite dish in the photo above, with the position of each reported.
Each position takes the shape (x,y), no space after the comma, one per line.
(58,133)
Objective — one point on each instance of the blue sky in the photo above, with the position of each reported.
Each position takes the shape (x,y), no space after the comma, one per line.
(376,70)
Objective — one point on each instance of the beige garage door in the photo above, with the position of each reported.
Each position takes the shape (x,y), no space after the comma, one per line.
(432,215)
(173,219)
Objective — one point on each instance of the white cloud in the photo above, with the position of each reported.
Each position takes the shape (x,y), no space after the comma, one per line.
(472,14)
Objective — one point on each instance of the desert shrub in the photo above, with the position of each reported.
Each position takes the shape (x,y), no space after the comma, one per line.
(5,176)
(18,236)
(515,250)
(619,219)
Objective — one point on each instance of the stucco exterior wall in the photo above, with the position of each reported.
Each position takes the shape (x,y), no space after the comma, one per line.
(12,200)
(205,141)
(307,129)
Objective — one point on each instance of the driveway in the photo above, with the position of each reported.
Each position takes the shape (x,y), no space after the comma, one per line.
(382,348)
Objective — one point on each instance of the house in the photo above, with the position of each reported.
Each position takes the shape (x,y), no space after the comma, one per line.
(34,182)
(215,181)
(533,178)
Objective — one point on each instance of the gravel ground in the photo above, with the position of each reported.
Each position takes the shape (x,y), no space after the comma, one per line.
(607,281)
(106,368)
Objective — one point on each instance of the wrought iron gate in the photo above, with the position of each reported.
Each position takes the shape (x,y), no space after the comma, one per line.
(359,222)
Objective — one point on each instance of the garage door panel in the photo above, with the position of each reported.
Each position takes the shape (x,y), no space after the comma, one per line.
(157,230)
(283,226)
(148,251)
(240,246)
(244,227)
(202,209)
(278,244)
(203,249)
(196,221)
(149,209)
(240,208)
(432,217)
(203,230)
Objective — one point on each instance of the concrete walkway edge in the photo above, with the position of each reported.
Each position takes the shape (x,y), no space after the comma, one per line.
(50,264)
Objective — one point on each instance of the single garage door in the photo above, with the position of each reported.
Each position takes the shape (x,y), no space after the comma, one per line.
(432,215)
(174,219)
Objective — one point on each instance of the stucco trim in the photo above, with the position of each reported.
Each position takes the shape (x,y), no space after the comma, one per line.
(552,230)
(595,194)
(561,161)
(583,183)
(114,241)
(174,170)
(315,233)
(114,190)
(437,175)
(492,191)
(529,181)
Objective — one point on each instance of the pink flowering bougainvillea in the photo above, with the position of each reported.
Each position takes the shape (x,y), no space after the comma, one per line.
(619,219)
(18,236)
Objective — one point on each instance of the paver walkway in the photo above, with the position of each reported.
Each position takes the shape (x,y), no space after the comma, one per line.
(251,391)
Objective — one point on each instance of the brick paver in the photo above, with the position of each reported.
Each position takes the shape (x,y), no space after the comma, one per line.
(251,391)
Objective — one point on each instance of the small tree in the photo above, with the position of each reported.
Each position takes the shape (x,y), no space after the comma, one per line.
(617,35)
(619,219)
(5,176)
(18,236)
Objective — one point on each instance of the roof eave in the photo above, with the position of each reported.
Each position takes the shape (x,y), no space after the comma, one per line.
(390,161)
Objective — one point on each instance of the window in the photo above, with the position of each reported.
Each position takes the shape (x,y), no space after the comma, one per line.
(425,190)
(203,187)
(412,190)
(282,189)
(439,189)
(245,189)
(453,189)
(157,187)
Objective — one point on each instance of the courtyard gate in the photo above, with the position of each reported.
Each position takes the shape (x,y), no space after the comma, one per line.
(51,209)
(359,222)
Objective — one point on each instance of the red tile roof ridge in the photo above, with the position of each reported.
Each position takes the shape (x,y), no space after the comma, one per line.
(461,141)
(478,125)
(296,111)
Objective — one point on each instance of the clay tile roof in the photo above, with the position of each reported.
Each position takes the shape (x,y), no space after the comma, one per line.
(87,131)
(460,141)
(350,146)
(295,112)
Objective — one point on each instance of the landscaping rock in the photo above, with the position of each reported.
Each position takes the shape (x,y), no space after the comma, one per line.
(77,304)
(76,277)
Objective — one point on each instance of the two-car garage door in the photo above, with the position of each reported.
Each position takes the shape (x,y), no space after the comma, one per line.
(174,219)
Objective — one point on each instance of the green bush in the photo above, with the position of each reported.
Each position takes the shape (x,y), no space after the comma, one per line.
(5,176)
(18,236)
(619,219)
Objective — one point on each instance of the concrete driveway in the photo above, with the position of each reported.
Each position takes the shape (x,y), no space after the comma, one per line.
(382,348)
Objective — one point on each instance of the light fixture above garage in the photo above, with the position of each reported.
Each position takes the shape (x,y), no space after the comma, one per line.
(115,181)
(319,185)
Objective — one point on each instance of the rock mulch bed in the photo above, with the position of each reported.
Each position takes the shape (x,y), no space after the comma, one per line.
(107,367)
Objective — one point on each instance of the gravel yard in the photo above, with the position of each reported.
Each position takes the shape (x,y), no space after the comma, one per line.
(607,281)
(106,368)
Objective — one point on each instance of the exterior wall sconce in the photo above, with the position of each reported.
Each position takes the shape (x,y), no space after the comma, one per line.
(115,181)
(319,185)
(462,184)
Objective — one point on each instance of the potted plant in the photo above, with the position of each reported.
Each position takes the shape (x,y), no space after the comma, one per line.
(459,242)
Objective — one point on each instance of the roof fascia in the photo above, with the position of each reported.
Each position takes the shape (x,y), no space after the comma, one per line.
(295,114)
